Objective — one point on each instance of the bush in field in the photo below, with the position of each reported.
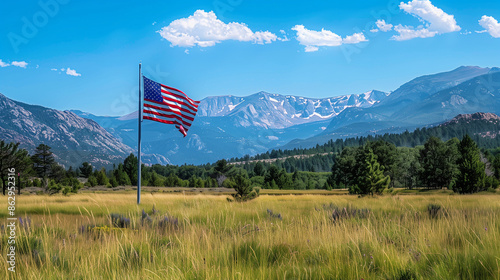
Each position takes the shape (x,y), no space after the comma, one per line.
(244,191)
(119,220)
(66,190)
(433,210)
(92,181)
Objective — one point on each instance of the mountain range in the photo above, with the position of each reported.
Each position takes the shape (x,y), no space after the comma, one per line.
(232,126)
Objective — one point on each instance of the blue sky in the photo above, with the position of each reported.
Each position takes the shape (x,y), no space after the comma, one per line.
(84,54)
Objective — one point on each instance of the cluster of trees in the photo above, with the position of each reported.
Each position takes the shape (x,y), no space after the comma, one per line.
(454,164)
(39,169)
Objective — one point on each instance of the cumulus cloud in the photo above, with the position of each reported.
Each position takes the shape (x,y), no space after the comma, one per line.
(3,64)
(71,72)
(491,25)
(354,38)
(383,26)
(205,29)
(435,21)
(21,64)
(312,39)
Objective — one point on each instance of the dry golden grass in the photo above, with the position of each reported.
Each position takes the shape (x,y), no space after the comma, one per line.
(395,238)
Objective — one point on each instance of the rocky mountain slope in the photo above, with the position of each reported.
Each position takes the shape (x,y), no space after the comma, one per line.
(73,139)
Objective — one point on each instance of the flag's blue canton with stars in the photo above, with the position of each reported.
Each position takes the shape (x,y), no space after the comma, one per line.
(152,90)
(168,105)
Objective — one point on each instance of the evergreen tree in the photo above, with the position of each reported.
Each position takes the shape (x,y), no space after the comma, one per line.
(221,170)
(102,179)
(130,167)
(13,157)
(156,180)
(437,164)
(85,169)
(344,168)
(370,175)
(244,191)
(259,169)
(43,161)
(472,170)
(121,176)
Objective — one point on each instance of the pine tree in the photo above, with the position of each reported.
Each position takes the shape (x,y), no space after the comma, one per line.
(102,179)
(12,157)
(43,161)
(472,170)
(371,178)
(244,191)
(130,167)
(438,163)
(85,169)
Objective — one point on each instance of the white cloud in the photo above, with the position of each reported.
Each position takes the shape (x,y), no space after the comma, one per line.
(491,25)
(72,72)
(383,26)
(205,30)
(435,21)
(434,17)
(374,30)
(311,48)
(409,32)
(354,38)
(53,69)
(21,64)
(3,64)
(313,39)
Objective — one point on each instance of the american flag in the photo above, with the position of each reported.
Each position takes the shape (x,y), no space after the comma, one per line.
(168,105)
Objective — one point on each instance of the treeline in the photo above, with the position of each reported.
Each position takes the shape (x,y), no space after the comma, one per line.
(476,129)
(454,164)
(41,170)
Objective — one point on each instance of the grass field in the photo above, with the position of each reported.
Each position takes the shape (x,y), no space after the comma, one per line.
(272,237)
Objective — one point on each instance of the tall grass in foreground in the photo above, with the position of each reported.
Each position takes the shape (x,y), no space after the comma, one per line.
(314,237)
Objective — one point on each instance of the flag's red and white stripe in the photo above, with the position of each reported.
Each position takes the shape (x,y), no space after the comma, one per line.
(177,108)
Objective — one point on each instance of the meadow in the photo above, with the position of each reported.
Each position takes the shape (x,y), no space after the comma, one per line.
(108,236)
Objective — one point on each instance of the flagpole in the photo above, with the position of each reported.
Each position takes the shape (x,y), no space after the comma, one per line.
(139,117)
